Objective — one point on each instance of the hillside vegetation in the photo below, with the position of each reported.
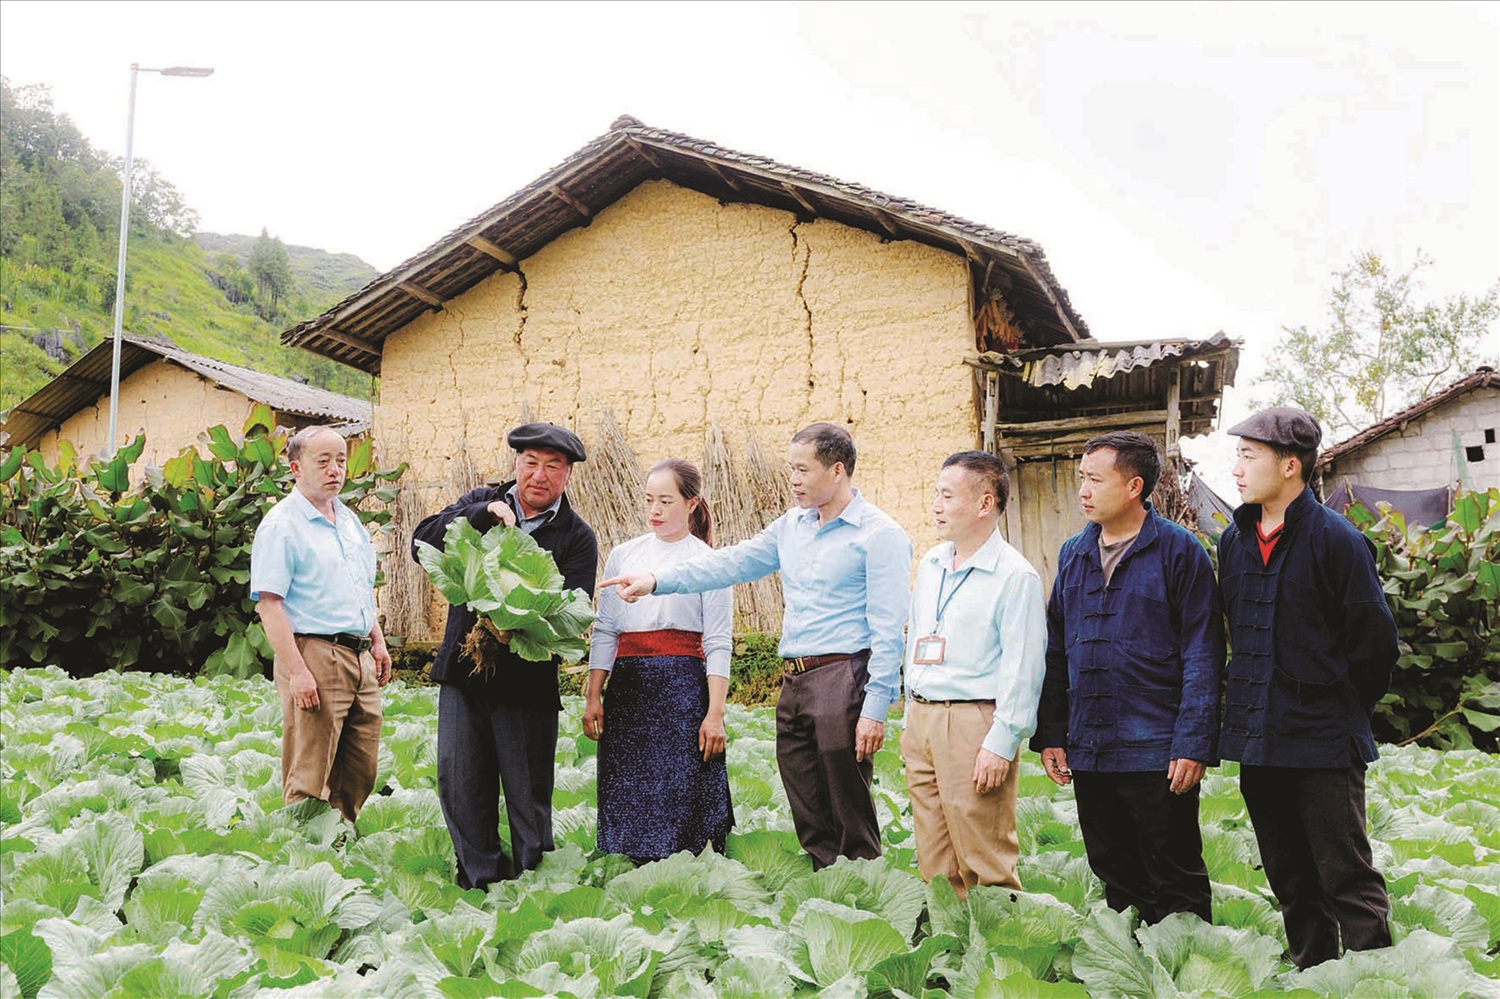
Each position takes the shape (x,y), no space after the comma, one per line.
(226,297)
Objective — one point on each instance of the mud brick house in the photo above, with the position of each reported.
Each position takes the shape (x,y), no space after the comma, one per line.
(664,295)
(170,394)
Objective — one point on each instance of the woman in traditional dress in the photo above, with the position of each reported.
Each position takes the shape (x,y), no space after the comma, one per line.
(662,782)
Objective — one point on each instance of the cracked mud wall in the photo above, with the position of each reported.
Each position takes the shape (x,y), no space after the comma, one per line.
(675,311)
(171,404)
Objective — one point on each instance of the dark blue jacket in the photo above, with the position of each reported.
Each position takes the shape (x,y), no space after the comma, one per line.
(515,682)
(1133,668)
(1314,642)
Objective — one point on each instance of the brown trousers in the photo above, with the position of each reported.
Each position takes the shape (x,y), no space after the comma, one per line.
(331,753)
(828,789)
(966,836)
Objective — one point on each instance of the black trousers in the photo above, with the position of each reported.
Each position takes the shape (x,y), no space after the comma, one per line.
(482,748)
(828,789)
(1143,843)
(1310,825)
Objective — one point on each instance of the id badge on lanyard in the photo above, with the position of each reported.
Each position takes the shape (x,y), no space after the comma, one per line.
(931,649)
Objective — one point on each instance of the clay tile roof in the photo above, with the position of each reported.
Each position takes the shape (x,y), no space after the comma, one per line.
(1483,377)
(87,378)
(615,163)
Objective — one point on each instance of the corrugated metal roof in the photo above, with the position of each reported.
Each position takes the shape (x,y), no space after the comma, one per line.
(615,163)
(1092,378)
(1077,365)
(87,379)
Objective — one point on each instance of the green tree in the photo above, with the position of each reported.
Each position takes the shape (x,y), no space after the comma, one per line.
(271,266)
(157,204)
(1381,351)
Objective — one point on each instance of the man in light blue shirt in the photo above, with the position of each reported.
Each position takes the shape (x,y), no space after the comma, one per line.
(312,573)
(975,659)
(844,570)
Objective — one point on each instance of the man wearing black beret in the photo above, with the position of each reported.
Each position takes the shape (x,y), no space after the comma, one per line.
(499,728)
(1313,648)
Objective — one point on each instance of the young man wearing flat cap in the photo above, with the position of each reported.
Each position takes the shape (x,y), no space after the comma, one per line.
(1313,648)
(499,730)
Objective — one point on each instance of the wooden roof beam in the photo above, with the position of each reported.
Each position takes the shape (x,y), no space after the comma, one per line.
(420,294)
(1062,313)
(494,250)
(1083,422)
(571,202)
(645,154)
(801,198)
(338,336)
(727,178)
(885,222)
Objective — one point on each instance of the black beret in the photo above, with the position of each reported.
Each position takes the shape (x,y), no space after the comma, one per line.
(1283,426)
(548,435)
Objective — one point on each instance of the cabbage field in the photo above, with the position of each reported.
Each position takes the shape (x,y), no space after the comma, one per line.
(145,852)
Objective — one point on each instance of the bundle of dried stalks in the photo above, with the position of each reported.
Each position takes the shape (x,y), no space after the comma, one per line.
(403,598)
(744,497)
(410,603)
(1169,498)
(606,490)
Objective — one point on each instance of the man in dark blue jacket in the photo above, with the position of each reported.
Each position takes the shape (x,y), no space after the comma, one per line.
(1314,645)
(500,729)
(1135,658)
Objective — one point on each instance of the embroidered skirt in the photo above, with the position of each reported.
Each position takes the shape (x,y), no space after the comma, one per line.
(657,796)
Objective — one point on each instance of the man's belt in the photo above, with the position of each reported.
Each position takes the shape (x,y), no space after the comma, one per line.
(801,664)
(951,701)
(359,643)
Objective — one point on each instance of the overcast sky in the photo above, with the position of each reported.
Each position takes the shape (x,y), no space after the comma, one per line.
(1187,167)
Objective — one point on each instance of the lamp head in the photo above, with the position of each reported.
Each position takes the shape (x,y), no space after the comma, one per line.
(198,71)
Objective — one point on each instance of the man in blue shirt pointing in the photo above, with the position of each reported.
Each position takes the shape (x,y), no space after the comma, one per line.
(845,568)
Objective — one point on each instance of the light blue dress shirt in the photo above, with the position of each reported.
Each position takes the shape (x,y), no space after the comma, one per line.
(324,572)
(995,624)
(844,585)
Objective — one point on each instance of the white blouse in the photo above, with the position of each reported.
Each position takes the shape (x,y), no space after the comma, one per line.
(711,613)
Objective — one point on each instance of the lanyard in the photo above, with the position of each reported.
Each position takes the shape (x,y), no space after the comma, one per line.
(942,604)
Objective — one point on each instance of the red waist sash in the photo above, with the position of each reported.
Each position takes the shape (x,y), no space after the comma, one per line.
(667,642)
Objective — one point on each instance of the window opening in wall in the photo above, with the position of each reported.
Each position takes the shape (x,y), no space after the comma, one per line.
(1474,452)
(1489,436)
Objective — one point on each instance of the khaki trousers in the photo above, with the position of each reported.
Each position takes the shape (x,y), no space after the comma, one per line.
(966,836)
(331,754)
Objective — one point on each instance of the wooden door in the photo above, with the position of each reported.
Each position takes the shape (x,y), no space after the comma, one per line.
(1045,511)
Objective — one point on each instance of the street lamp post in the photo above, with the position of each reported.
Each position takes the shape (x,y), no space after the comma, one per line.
(114,372)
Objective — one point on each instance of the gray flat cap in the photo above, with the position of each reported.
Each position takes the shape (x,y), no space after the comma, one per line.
(1283,426)
(529,436)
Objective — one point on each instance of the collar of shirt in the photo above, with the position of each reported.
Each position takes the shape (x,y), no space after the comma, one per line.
(529,524)
(306,508)
(986,558)
(854,513)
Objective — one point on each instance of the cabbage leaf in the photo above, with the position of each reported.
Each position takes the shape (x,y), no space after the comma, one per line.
(504,576)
